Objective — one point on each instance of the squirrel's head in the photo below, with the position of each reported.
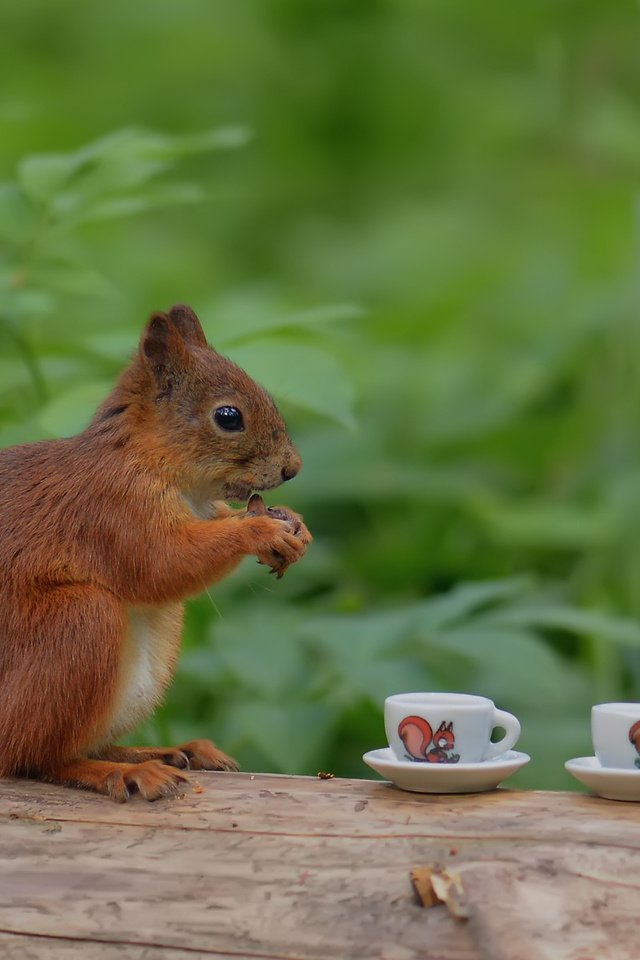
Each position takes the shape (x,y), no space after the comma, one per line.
(222,432)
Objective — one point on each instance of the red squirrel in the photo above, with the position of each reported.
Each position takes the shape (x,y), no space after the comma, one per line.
(103,536)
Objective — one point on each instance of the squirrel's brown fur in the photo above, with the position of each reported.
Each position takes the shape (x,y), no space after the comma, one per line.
(103,535)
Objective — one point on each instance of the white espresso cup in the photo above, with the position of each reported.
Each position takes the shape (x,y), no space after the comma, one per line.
(615,731)
(446,727)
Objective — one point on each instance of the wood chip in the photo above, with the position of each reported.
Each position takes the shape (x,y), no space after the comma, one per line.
(198,788)
(323,775)
(421,883)
(448,888)
(433,885)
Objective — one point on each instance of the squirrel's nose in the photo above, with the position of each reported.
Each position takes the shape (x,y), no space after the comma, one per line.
(291,469)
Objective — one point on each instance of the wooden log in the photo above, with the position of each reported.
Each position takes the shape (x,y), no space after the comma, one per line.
(277,896)
(309,806)
(14,947)
(283,868)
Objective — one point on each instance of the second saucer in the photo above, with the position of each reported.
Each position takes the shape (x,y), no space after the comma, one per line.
(612,783)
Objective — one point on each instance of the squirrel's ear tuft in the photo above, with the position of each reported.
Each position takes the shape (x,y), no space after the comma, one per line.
(154,345)
(161,347)
(188,324)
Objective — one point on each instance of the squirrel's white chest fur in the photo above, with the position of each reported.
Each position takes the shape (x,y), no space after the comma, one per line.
(147,664)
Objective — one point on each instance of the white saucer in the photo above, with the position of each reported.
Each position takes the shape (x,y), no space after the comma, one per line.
(445,777)
(612,783)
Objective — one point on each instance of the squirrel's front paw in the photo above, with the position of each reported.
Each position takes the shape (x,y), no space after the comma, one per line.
(300,530)
(273,542)
(279,562)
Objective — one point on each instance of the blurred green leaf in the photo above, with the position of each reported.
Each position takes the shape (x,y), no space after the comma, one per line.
(250,313)
(263,651)
(41,177)
(12,374)
(23,303)
(361,652)
(467,600)
(513,665)
(70,277)
(95,181)
(293,739)
(359,638)
(16,214)
(72,410)
(589,623)
(167,195)
(114,344)
(549,525)
(305,376)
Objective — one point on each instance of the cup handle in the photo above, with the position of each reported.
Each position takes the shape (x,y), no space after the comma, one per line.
(512,726)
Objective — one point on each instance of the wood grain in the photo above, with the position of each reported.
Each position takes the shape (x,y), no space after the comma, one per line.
(306,805)
(278,867)
(20,947)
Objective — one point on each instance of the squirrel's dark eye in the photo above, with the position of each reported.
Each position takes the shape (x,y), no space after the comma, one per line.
(229,418)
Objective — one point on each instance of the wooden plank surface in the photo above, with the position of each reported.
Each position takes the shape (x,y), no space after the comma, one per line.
(14,947)
(278,867)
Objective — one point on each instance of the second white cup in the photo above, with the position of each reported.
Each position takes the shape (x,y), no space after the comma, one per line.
(615,730)
(446,727)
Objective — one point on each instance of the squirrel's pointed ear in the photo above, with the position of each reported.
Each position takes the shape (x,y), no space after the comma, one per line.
(188,324)
(161,347)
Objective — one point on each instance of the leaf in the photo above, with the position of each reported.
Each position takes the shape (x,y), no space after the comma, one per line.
(230,137)
(168,195)
(361,651)
(589,623)
(608,130)
(292,736)
(352,640)
(124,161)
(262,650)
(42,176)
(368,473)
(252,311)
(152,146)
(25,303)
(514,664)
(201,666)
(380,678)
(16,215)
(550,737)
(466,599)
(12,374)
(301,375)
(70,277)
(114,344)
(547,524)
(70,413)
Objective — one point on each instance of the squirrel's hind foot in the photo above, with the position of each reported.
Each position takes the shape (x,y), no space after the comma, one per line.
(194,755)
(151,779)
(204,755)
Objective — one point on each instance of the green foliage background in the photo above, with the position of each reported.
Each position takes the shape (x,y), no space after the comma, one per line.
(416,223)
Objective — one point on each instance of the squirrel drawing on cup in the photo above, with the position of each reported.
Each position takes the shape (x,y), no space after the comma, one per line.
(423,745)
(634,738)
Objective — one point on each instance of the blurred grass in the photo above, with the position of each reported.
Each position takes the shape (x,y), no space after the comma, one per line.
(417,224)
